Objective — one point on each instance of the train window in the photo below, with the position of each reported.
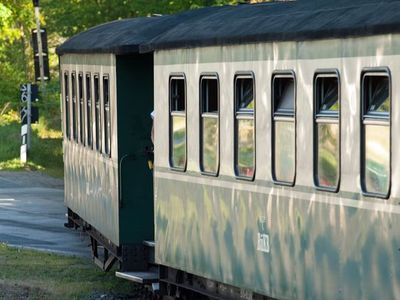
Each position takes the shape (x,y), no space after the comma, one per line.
(88,111)
(244,126)
(81,109)
(177,98)
(74,107)
(375,164)
(283,128)
(326,131)
(97,109)
(66,105)
(107,116)
(209,127)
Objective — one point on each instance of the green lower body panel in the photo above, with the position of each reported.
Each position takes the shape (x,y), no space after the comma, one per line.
(91,189)
(275,242)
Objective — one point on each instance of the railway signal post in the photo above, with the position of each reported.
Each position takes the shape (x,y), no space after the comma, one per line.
(39,42)
(29,115)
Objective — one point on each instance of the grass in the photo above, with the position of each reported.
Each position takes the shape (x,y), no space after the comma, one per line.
(46,152)
(30,274)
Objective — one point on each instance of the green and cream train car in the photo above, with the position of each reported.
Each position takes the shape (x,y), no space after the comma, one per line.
(276,152)
(275,146)
(107,99)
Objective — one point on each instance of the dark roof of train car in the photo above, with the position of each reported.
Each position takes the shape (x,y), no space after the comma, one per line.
(125,36)
(272,21)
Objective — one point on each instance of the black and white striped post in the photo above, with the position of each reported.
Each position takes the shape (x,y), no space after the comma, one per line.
(26,108)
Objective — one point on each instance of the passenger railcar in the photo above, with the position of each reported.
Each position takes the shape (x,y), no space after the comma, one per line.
(107,93)
(276,152)
(275,149)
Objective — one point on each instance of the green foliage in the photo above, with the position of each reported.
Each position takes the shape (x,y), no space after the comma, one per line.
(62,19)
(74,16)
(16,20)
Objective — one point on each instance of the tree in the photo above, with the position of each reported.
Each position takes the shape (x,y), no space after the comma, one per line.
(72,16)
(16,20)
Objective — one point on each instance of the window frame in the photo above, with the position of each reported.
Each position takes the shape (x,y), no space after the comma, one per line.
(98,125)
(209,76)
(74,103)
(81,115)
(88,123)
(105,133)
(180,76)
(236,117)
(67,105)
(374,119)
(283,74)
(328,119)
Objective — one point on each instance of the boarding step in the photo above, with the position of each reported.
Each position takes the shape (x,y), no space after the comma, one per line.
(151,244)
(150,252)
(147,277)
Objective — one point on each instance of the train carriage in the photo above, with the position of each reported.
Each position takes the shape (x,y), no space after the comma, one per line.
(107,98)
(275,148)
(276,152)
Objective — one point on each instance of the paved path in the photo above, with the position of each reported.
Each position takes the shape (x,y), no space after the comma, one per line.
(32,214)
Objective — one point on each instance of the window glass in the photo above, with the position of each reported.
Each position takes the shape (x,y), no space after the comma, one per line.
(284,135)
(67,107)
(376,89)
(88,111)
(327,92)
(74,108)
(177,95)
(376,133)
(81,109)
(209,125)
(209,92)
(210,145)
(245,148)
(377,159)
(177,122)
(328,155)
(244,126)
(107,121)
(284,95)
(284,151)
(244,94)
(178,141)
(327,138)
(97,112)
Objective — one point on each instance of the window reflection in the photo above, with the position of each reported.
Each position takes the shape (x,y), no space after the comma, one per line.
(209,154)
(74,108)
(245,148)
(328,155)
(210,145)
(178,141)
(67,107)
(177,100)
(377,159)
(244,126)
(81,109)
(284,151)
(376,133)
(88,111)
(97,112)
(327,137)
